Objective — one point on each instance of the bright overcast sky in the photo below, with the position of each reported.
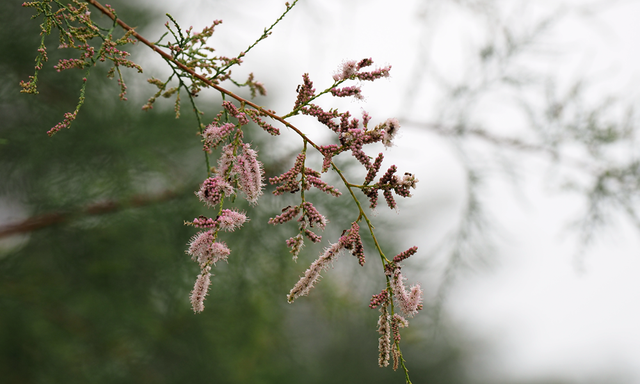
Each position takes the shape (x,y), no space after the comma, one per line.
(538,314)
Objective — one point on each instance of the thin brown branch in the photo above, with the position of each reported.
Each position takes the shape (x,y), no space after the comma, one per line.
(210,83)
(49,219)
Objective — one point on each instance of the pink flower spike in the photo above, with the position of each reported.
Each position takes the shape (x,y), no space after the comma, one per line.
(214,134)
(384,342)
(313,215)
(250,174)
(405,255)
(410,303)
(288,214)
(200,290)
(200,244)
(312,274)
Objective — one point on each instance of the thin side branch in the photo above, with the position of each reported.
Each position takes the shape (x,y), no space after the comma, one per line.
(49,219)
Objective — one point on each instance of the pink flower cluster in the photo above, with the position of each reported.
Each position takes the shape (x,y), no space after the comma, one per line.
(295,179)
(389,183)
(352,241)
(238,169)
(350,70)
(206,250)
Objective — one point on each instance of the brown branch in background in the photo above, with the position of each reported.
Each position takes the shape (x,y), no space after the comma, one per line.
(49,219)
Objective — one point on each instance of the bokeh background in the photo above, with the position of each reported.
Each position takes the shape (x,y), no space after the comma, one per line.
(511,113)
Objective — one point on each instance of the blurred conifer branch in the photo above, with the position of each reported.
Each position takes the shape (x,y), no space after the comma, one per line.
(589,144)
(238,171)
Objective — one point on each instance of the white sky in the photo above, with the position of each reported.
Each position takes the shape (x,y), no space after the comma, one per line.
(538,315)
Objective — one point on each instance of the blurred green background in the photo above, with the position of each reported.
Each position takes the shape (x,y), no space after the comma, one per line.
(104,298)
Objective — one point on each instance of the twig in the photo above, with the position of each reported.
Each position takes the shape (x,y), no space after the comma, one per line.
(49,219)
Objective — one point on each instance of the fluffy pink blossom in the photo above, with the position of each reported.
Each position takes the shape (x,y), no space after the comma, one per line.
(346,70)
(409,302)
(230,220)
(200,290)
(214,134)
(205,250)
(391,127)
(250,173)
(226,160)
(312,274)
(409,180)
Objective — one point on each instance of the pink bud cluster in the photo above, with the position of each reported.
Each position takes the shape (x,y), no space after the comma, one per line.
(348,91)
(295,243)
(309,217)
(255,115)
(312,178)
(288,214)
(352,241)
(381,298)
(389,183)
(405,255)
(289,181)
(352,134)
(235,112)
(69,117)
(327,153)
(305,92)
(295,179)
(213,189)
(397,322)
